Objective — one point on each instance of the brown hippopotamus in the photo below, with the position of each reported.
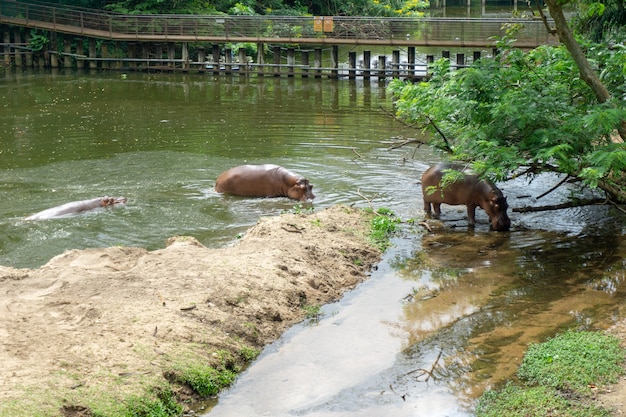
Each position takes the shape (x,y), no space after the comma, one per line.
(76,207)
(470,190)
(264,181)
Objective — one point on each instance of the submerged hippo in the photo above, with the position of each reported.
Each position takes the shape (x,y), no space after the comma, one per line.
(470,190)
(264,181)
(76,207)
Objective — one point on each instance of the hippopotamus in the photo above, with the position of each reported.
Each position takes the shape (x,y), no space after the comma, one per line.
(76,207)
(264,181)
(470,190)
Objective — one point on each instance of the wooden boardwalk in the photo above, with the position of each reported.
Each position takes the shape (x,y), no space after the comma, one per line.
(322,30)
(180,42)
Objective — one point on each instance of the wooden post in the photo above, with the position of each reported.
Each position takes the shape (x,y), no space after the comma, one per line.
(352,64)
(305,64)
(158,54)
(6,38)
(382,63)
(411,63)
(334,61)
(367,63)
(132,53)
(460,61)
(17,38)
(185,56)
(228,61)
(317,62)
(67,50)
(395,63)
(104,52)
(291,61)
(171,54)
(93,64)
(80,64)
(54,58)
(276,51)
(243,61)
(201,58)
(260,58)
(28,56)
(216,58)
(145,53)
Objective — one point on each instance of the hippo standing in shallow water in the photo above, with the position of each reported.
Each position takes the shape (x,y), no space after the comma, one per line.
(76,207)
(469,190)
(264,181)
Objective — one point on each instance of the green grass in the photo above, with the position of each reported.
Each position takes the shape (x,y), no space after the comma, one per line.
(557,377)
(383,226)
(517,401)
(573,360)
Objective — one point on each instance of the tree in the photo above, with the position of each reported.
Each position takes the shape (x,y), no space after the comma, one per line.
(542,110)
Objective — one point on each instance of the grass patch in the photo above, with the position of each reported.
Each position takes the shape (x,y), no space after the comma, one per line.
(517,401)
(162,403)
(313,311)
(383,226)
(574,360)
(558,376)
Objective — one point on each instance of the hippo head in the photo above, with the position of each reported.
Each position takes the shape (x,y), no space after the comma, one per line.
(496,209)
(301,190)
(111,201)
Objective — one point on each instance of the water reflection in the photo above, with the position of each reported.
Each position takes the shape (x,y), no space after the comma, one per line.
(495,294)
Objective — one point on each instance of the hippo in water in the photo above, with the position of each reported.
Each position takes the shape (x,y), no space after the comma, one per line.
(76,207)
(470,191)
(264,181)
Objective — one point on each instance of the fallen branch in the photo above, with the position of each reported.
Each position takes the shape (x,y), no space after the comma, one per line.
(405,142)
(369,200)
(357,154)
(554,188)
(561,206)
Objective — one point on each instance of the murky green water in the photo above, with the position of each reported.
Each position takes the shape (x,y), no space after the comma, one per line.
(461,304)
(162,140)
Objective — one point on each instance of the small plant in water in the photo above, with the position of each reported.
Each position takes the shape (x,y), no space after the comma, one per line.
(384,225)
(313,312)
(299,209)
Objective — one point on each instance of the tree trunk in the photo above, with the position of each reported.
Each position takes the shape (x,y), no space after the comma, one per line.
(587,74)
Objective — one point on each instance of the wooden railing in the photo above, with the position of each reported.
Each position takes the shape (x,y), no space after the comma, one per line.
(271,29)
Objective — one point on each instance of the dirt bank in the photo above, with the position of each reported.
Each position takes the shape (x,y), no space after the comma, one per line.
(92,326)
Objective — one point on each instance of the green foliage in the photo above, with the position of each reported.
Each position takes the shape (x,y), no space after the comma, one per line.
(522,109)
(313,311)
(240,9)
(38,40)
(162,404)
(558,374)
(383,226)
(268,7)
(515,401)
(574,360)
(205,380)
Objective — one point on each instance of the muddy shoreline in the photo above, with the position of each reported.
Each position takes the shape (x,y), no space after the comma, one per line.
(92,327)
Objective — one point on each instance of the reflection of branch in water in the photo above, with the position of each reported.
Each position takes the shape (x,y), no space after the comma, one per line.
(403,396)
(430,372)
